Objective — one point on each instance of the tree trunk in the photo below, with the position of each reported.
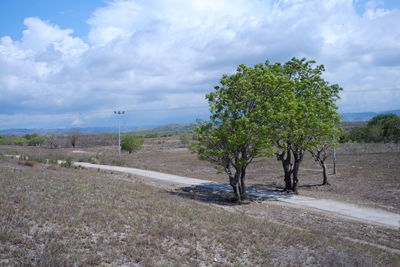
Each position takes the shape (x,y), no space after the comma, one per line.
(237,193)
(298,157)
(243,185)
(234,182)
(295,176)
(324,174)
(287,168)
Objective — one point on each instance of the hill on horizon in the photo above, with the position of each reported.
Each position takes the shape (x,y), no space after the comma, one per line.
(169,128)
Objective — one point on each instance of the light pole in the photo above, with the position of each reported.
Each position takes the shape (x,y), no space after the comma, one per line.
(119,112)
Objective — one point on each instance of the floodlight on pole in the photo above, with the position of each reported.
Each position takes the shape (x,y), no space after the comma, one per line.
(119,112)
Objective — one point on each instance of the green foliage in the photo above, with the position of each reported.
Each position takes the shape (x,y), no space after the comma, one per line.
(5,141)
(290,106)
(344,138)
(381,119)
(36,141)
(93,160)
(306,107)
(359,134)
(20,141)
(30,136)
(381,128)
(391,130)
(1,156)
(131,143)
(69,162)
(117,162)
(186,138)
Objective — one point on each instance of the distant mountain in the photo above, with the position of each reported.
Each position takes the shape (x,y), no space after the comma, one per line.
(170,128)
(166,129)
(365,116)
(157,130)
(60,131)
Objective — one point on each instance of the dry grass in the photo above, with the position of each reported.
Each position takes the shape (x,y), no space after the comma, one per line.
(367,173)
(60,216)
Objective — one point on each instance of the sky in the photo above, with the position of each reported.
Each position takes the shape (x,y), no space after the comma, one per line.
(67,64)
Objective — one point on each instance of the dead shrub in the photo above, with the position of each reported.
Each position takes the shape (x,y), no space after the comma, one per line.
(27,163)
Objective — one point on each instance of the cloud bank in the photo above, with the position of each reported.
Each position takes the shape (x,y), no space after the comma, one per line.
(157,59)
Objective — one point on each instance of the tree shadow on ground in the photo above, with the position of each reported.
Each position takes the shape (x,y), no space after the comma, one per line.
(280,188)
(222,194)
(311,185)
(208,193)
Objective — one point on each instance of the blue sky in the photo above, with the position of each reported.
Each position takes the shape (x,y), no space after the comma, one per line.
(71,63)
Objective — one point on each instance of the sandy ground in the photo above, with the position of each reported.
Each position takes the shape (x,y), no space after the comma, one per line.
(371,215)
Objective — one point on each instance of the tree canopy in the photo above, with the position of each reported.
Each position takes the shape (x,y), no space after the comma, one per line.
(380,128)
(285,108)
(131,143)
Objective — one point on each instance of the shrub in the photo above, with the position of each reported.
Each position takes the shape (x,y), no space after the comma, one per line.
(94,160)
(131,143)
(117,162)
(391,130)
(69,162)
(4,141)
(381,128)
(36,141)
(27,163)
(359,134)
(186,138)
(20,141)
(344,138)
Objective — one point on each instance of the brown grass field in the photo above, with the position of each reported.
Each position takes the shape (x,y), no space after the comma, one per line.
(53,216)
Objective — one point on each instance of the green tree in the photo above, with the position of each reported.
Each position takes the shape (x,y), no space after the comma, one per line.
(36,141)
(381,128)
(288,105)
(359,134)
(131,143)
(305,115)
(233,137)
(391,130)
(20,141)
(380,120)
(30,136)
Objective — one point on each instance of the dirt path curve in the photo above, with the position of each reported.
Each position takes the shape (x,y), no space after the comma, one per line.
(366,214)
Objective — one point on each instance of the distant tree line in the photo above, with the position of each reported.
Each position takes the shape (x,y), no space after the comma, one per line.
(381,128)
(27,139)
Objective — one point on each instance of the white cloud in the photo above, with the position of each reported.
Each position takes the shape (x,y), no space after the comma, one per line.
(168,54)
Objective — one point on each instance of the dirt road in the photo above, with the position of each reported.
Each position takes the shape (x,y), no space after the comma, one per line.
(346,209)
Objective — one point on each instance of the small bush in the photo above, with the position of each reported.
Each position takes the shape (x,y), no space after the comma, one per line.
(36,141)
(117,162)
(5,141)
(1,156)
(94,160)
(27,163)
(20,141)
(69,162)
(186,138)
(382,128)
(131,143)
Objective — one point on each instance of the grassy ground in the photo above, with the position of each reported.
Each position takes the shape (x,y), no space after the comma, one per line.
(367,173)
(54,216)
